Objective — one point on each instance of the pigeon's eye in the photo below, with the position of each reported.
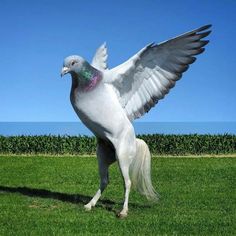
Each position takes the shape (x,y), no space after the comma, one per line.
(73,62)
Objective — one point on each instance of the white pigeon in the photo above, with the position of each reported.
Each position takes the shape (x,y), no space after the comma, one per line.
(108,100)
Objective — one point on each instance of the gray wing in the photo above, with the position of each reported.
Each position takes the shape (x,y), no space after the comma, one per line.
(100,58)
(147,77)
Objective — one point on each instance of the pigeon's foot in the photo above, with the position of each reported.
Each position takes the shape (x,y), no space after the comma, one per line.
(123,214)
(88,207)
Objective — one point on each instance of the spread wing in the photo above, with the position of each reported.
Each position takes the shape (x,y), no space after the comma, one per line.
(100,58)
(147,77)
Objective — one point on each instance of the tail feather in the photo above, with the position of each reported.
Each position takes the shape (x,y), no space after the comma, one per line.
(140,171)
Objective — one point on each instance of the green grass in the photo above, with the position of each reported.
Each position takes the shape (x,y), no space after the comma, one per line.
(45,196)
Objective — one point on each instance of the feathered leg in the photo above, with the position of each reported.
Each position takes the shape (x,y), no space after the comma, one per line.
(105,156)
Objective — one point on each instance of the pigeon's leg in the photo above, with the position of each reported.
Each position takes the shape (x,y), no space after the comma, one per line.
(125,155)
(103,172)
(105,156)
(127,184)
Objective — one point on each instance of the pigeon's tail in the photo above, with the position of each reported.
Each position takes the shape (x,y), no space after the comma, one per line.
(140,171)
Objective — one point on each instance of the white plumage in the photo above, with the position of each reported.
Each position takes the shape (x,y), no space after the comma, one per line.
(100,58)
(148,76)
(108,100)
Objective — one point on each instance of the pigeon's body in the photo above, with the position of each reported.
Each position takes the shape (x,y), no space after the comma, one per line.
(94,114)
(107,101)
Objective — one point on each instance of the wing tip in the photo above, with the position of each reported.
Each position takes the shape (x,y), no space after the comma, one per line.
(205,34)
(104,44)
(205,27)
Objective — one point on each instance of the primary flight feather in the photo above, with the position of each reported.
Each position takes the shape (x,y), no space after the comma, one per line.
(108,100)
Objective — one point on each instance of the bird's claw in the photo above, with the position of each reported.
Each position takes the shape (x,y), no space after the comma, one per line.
(88,207)
(122,215)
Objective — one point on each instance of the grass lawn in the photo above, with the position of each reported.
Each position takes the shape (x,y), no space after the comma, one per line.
(45,196)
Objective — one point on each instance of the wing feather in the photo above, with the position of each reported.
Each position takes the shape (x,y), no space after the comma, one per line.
(100,58)
(147,77)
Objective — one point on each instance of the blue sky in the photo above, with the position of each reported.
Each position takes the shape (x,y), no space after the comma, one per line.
(37,35)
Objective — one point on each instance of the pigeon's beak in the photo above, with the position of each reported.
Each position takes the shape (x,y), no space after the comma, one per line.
(64,71)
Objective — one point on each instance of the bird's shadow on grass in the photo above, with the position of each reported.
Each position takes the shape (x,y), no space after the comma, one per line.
(66,197)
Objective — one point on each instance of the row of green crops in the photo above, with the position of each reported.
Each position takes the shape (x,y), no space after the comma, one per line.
(159,144)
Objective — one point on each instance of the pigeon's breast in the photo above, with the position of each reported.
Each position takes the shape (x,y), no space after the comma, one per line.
(99,110)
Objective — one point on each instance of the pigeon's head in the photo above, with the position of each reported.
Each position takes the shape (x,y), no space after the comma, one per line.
(73,65)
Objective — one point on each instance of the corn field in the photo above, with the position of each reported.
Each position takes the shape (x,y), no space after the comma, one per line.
(159,144)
